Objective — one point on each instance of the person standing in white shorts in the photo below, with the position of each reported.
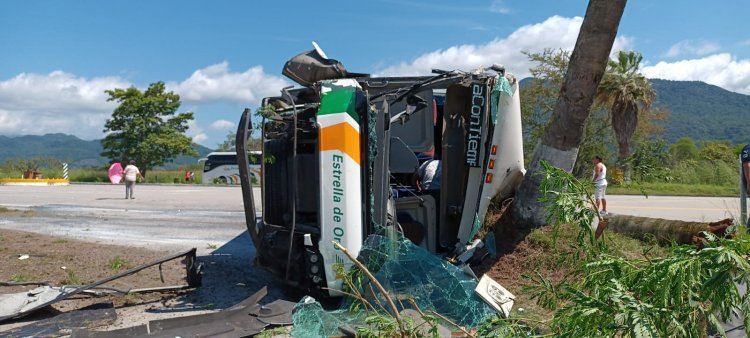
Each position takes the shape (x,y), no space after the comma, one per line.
(600,183)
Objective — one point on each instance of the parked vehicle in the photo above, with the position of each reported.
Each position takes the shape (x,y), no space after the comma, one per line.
(344,151)
(222,168)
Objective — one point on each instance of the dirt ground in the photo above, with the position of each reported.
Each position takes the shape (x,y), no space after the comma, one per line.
(226,280)
(59,261)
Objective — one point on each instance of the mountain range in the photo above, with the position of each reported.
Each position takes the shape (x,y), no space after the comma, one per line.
(696,109)
(702,111)
(72,150)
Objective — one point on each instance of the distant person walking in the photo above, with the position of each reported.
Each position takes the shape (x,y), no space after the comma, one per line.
(131,172)
(745,157)
(600,183)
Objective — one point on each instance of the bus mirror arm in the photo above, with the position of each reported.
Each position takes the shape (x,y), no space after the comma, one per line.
(248,199)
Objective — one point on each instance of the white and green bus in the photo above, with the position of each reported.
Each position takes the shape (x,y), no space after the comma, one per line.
(221,167)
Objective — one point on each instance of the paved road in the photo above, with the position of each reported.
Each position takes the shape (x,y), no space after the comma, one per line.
(678,208)
(148,197)
(161,216)
(179,216)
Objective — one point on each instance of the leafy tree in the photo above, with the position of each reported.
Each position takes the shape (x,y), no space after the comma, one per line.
(228,144)
(563,135)
(649,160)
(628,92)
(146,128)
(717,151)
(684,149)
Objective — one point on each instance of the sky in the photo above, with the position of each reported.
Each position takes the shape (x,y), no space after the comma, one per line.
(58,57)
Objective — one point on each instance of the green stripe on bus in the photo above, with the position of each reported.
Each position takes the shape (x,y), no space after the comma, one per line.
(339,102)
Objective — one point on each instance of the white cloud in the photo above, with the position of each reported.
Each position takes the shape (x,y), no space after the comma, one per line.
(556,32)
(222,125)
(723,70)
(218,83)
(692,47)
(61,102)
(498,6)
(57,102)
(200,138)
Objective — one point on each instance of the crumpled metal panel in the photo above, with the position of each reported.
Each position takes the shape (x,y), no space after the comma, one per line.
(60,325)
(245,319)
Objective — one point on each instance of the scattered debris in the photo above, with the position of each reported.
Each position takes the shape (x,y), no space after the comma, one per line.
(496,295)
(89,317)
(244,319)
(20,304)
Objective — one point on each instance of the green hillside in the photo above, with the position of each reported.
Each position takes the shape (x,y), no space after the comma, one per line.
(699,110)
(68,148)
(702,111)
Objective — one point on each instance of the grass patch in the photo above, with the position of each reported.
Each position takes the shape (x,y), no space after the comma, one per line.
(118,263)
(674,189)
(555,255)
(99,175)
(72,278)
(278,331)
(20,278)
(211,246)
(60,241)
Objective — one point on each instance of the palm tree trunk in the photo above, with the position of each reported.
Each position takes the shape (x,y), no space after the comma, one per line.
(624,154)
(562,137)
(624,122)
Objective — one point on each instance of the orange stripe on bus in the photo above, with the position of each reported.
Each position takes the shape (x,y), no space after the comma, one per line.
(341,137)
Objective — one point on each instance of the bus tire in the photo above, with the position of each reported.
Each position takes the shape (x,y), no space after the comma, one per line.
(276,177)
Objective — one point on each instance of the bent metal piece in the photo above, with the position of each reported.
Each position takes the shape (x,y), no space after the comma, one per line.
(21,304)
(243,132)
(95,315)
(245,319)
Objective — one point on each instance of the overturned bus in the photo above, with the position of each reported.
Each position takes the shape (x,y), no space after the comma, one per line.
(341,158)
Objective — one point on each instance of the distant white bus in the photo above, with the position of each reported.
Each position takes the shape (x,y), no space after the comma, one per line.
(221,167)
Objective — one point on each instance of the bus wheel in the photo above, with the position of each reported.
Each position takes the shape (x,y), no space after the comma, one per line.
(276,176)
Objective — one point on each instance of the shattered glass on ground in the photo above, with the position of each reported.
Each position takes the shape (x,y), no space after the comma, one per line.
(407,272)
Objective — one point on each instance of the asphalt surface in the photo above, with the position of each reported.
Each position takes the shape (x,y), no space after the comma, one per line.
(698,209)
(169,217)
(174,217)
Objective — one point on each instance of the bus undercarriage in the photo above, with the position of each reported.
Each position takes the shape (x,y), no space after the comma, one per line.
(341,156)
